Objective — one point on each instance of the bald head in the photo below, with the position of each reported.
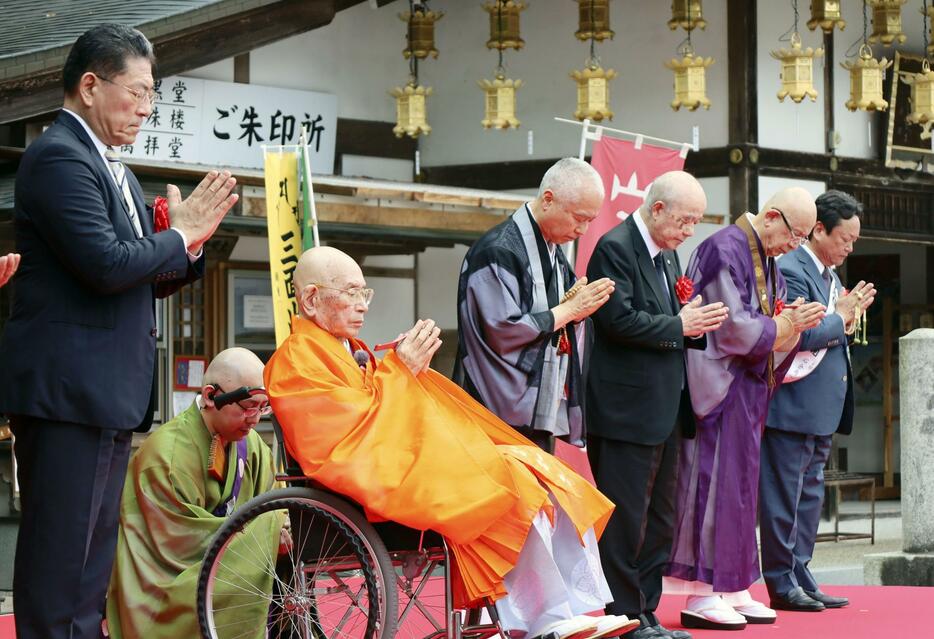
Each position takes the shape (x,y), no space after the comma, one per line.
(330,291)
(674,204)
(233,368)
(792,207)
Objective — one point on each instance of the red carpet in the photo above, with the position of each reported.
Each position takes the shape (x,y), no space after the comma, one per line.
(875,612)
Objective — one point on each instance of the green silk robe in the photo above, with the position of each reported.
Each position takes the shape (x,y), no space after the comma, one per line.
(166,524)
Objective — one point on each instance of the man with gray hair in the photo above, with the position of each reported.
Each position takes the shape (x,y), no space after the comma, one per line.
(521,314)
(638,402)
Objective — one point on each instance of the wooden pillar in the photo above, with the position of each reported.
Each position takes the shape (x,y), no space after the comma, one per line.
(828,94)
(242,68)
(743,105)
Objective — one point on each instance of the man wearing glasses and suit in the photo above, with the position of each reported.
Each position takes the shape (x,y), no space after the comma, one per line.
(78,350)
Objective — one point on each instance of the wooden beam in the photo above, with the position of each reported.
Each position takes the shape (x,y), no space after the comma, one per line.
(182,50)
(372,138)
(242,68)
(743,115)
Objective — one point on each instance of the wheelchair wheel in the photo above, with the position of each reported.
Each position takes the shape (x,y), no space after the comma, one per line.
(334,581)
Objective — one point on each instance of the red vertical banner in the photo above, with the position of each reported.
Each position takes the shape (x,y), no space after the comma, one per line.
(627,170)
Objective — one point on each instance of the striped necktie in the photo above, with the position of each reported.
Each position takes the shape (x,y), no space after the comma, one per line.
(119,172)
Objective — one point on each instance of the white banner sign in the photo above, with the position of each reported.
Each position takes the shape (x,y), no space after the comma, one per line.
(225,124)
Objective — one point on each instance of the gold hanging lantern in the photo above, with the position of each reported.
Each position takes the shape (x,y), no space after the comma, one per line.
(866,81)
(826,15)
(500,101)
(690,81)
(594,20)
(593,92)
(687,14)
(887,21)
(922,99)
(411,110)
(421,32)
(797,73)
(504,24)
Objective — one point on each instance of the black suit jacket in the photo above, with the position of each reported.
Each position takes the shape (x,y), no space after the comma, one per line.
(636,374)
(80,342)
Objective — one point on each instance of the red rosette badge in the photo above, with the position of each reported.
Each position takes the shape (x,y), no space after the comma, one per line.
(779,307)
(684,288)
(160,212)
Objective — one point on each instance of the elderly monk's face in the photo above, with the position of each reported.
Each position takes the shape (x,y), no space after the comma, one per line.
(120,105)
(235,421)
(566,218)
(339,305)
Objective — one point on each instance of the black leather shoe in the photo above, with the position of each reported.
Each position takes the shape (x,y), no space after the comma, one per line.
(827,600)
(643,632)
(796,600)
(671,634)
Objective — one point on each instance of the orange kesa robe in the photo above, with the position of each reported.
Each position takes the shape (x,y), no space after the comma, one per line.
(421,452)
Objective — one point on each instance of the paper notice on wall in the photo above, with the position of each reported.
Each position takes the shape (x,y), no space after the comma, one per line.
(257,312)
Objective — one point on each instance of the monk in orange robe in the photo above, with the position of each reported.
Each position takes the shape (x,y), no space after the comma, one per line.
(412,447)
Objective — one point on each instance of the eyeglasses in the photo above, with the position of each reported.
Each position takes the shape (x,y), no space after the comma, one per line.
(357,295)
(142,97)
(796,239)
(261,409)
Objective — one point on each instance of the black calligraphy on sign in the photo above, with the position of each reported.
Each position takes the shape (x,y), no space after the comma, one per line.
(289,262)
(126,148)
(179,90)
(250,126)
(223,135)
(314,130)
(178,119)
(152,145)
(154,119)
(175,144)
(281,127)
(157,90)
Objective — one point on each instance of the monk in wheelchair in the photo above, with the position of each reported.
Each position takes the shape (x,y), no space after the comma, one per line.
(411,447)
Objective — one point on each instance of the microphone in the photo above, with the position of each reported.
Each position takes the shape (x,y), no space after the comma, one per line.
(361,357)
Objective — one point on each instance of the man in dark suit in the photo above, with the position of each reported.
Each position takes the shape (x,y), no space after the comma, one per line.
(804,415)
(637,394)
(78,351)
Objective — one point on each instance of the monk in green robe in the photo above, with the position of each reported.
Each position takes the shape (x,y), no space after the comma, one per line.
(172,506)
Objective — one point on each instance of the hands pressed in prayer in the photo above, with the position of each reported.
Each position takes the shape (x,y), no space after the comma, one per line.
(859,297)
(697,320)
(199,215)
(8,265)
(285,541)
(804,316)
(582,304)
(419,345)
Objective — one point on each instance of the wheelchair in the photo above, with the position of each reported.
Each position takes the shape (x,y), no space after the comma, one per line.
(337,577)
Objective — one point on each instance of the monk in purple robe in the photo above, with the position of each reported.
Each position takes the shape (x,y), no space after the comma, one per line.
(715,558)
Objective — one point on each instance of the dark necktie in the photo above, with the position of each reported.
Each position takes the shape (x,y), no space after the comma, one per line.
(660,272)
(828,279)
(119,172)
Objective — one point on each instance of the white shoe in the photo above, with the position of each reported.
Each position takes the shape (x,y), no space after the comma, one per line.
(613,626)
(574,628)
(754,611)
(711,613)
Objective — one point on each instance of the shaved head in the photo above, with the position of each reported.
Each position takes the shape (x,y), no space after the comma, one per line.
(233,368)
(329,287)
(786,220)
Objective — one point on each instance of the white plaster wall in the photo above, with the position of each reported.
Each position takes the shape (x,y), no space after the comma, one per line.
(438,271)
(786,125)
(639,96)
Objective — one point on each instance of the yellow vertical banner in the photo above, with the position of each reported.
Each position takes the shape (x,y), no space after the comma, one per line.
(283,220)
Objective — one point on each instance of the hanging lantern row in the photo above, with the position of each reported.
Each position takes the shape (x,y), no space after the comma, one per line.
(687,14)
(887,21)
(412,99)
(866,75)
(499,94)
(593,81)
(826,15)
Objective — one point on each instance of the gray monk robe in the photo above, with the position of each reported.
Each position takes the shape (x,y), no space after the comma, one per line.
(510,358)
